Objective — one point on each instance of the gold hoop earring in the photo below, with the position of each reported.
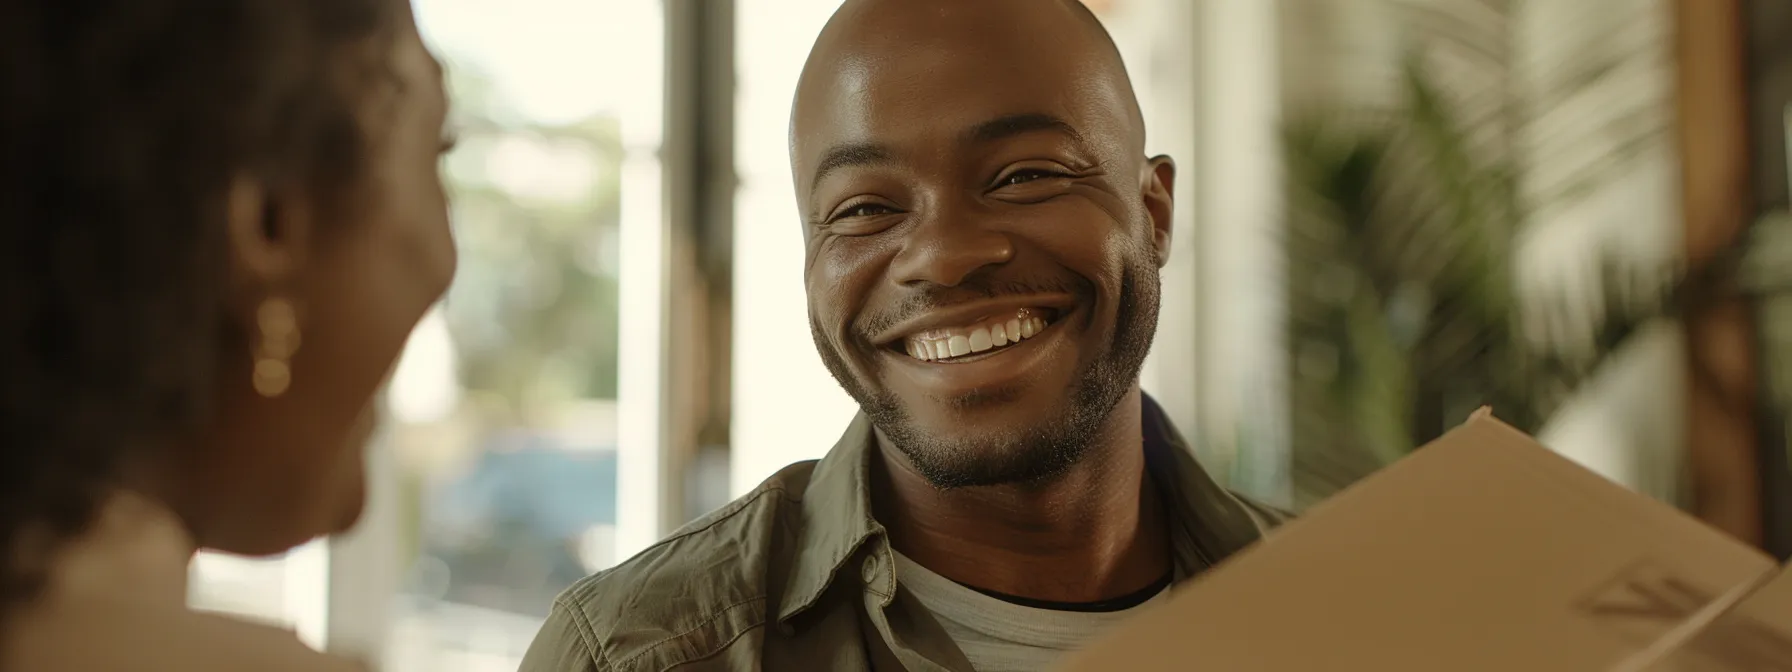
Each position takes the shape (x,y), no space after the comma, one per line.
(278,323)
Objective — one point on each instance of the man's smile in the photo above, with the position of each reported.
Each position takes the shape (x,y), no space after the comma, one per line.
(955,344)
(973,326)
(982,346)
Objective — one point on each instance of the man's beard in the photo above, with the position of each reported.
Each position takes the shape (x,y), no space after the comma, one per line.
(1033,454)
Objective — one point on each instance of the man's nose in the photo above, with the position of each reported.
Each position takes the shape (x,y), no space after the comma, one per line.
(947,246)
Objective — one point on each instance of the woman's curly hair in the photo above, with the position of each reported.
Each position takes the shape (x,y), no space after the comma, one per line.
(122,122)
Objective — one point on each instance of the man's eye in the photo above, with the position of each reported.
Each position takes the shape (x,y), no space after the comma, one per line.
(865,210)
(1028,175)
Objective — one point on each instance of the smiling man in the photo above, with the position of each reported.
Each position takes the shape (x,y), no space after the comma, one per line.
(984,233)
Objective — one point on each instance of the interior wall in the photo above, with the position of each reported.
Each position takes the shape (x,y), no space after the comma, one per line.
(1713,139)
(1152,37)
(1242,397)
(1770,93)
(1770,120)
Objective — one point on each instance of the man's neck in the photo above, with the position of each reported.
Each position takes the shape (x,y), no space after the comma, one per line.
(1094,533)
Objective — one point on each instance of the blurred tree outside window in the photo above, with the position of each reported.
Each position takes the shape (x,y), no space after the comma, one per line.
(504,407)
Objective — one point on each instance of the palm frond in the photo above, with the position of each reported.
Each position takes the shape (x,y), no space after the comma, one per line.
(1403,313)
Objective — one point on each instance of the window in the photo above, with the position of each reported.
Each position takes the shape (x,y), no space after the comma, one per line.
(786,406)
(288,591)
(509,416)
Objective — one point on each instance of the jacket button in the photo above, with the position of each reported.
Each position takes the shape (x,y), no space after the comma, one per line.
(869,572)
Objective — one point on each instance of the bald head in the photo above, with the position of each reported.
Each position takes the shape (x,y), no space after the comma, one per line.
(884,51)
(984,230)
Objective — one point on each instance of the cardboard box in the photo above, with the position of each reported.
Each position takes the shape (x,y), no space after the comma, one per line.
(1482,551)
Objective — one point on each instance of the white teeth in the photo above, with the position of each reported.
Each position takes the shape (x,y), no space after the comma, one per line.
(949,343)
(980,340)
(959,345)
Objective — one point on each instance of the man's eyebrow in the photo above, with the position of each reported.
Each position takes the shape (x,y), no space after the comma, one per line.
(1020,124)
(842,156)
(860,154)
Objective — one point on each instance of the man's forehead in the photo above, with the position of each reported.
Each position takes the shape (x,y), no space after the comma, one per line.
(949,94)
(895,92)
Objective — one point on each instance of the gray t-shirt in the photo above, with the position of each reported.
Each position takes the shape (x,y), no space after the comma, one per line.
(1001,636)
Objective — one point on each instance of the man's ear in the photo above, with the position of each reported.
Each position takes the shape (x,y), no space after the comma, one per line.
(267,233)
(1157,186)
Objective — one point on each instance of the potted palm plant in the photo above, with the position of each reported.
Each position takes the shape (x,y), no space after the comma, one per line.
(1402,223)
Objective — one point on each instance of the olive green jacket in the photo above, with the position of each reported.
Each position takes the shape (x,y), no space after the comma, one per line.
(797,575)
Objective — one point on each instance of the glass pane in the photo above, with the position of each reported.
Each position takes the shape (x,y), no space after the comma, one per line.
(504,407)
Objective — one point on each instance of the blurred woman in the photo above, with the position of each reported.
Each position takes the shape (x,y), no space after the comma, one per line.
(219,221)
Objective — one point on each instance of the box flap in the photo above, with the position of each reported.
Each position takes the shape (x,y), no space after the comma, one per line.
(1748,631)
(1482,551)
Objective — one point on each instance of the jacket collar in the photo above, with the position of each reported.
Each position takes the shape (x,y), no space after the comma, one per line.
(836,518)
(1208,522)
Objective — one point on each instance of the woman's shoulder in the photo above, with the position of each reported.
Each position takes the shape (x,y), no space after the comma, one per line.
(115,599)
(137,636)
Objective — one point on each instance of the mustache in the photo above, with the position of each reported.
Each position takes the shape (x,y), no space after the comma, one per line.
(935,297)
